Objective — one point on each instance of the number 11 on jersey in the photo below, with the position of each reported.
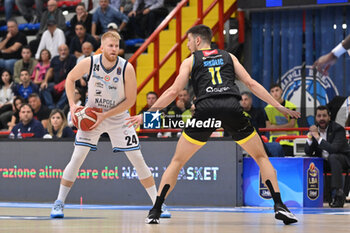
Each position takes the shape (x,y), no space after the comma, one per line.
(215,73)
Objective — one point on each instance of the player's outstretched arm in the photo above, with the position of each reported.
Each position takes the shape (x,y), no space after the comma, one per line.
(259,90)
(75,74)
(170,94)
(323,63)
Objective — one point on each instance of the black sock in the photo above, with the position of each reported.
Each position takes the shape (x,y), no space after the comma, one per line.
(159,203)
(160,199)
(275,196)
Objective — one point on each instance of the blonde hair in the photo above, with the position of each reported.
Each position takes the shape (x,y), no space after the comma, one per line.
(110,34)
(63,125)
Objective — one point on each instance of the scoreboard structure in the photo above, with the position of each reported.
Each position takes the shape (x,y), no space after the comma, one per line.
(270,4)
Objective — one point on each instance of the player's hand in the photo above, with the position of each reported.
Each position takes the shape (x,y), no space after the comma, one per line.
(288,112)
(313,128)
(100,117)
(324,63)
(73,108)
(134,121)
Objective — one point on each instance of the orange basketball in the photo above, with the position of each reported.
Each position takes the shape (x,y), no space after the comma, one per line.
(84,117)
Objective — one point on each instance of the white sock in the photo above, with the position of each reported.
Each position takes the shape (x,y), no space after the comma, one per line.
(152,193)
(62,194)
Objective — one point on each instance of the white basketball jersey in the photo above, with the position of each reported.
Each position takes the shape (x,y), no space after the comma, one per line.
(105,87)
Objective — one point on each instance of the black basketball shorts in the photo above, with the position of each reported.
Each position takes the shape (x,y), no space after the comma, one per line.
(210,111)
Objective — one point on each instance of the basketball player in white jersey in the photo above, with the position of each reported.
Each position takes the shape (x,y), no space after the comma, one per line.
(111,87)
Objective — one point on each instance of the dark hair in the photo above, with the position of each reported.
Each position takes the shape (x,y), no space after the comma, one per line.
(12,20)
(322,108)
(275,85)
(24,69)
(152,93)
(203,31)
(1,82)
(81,24)
(247,93)
(18,98)
(26,47)
(34,95)
(80,4)
(26,104)
(41,53)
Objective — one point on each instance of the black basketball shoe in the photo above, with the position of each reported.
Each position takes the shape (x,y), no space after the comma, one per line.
(153,216)
(283,213)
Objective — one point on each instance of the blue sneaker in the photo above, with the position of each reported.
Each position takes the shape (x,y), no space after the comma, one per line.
(57,209)
(165,213)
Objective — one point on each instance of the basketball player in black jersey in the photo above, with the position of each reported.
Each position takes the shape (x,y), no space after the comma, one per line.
(213,73)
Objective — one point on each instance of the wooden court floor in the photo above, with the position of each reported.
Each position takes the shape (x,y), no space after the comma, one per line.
(30,220)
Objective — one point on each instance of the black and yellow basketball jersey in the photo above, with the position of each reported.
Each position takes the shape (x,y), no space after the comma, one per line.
(213,74)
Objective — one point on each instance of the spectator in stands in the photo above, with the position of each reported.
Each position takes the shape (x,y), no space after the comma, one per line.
(126,6)
(80,37)
(104,15)
(53,84)
(27,124)
(256,115)
(52,38)
(11,45)
(52,13)
(26,87)
(151,98)
(275,119)
(8,4)
(25,7)
(146,15)
(257,119)
(27,62)
(41,68)
(57,126)
(87,51)
(327,139)
(6,98)
(79,97)
(114,27)
(41,112)
(17,103)
(182,108)
(81,16)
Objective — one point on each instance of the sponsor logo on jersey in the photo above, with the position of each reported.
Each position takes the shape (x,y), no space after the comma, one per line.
(216,89)
(98,92)
(115,79)
(209,52)
(105,103)
(96,76)
(119,70)
(99,85)
(107,78)
(112,88)
(291,84)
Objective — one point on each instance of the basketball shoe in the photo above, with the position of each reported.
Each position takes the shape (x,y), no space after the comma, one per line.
(165,213)
(57,209)
(153,216)
(283,213)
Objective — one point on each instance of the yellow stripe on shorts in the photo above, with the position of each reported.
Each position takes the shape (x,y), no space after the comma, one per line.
(244,140)
(191,140)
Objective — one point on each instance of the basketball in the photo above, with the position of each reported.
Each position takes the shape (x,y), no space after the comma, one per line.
(84,117)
